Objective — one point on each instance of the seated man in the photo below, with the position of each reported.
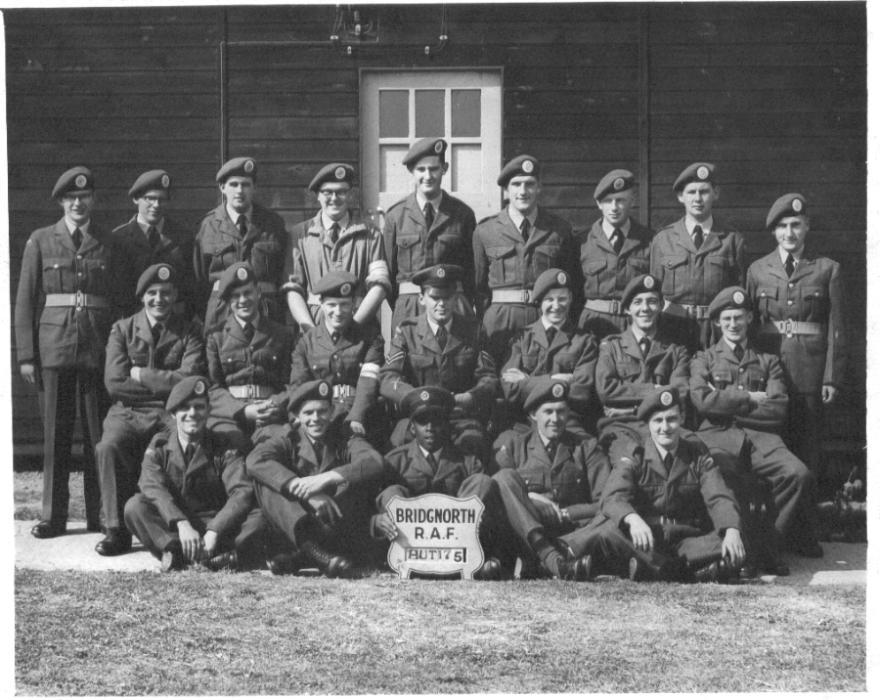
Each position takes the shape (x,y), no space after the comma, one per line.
(196,503)
(441,348)
(741,396)
(670,515)
(550,482)
(430,463)
(147,354)
(316,488)
(248,359)
(552,348)
(345,354)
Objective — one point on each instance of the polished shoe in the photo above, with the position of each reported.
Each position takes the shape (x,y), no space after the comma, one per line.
(579,569)
(172,560)
(286,563)
(489,571)
(748,570)
(93,526)
(43,530)
(225,561)
(331,565)
(707,574)
(117,541)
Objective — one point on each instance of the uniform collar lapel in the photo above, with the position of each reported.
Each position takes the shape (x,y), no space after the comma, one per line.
(630,345)
(537,451)
(429,340)
(508,228)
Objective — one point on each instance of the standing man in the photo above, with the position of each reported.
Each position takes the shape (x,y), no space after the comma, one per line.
(427,228)
(511,249)
(147,354)
(335,240)
(441,348)
(196,504)
(69,293)
(239,230)
(798,302)
(155,238)
(614,251)
(697,256)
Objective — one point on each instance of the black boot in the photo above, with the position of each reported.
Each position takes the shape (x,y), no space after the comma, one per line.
(331,565)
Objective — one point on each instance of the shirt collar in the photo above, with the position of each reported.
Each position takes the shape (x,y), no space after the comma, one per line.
(422,200)
(71,227)
(547,324)
(517,218)
(242,324)
(638,333)
(160,227)
(184,442)
(744,344)
(150,320)
(235,214)
(425,452)
(663,452)
(327,222)
(783,254)
(690,224)
(608,229)
(433,325)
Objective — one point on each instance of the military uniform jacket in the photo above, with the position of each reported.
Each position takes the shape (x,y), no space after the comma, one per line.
(357,250)
(814,294)
(65,336)
(233,361)
(179,353)
(570,352)
(410,247)
(407,466)
(289,454)
(694,277)
(416,360)
(214,482)
(575,479)
(606,273)
(624,377)
(316,356)
(503,261)
(219,243)
(692,493)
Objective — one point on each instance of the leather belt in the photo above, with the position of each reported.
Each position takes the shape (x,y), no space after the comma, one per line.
(343,391)
(410,288)
(265,287)
(789,328)
(511,296)
(78,300)
(251,391)
(605,306)
(700,313)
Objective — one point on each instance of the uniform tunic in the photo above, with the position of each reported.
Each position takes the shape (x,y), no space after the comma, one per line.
(606,274)
(139,409)
(358,250)
(814,294)
(410,247)
(503,261)
(219,243)
(212,492)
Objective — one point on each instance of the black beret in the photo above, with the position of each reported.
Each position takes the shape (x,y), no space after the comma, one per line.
(546,391)
(78,179)
(339,283)
(521,165)
(427,399)
(695,172)
(658,400)
(158,273)
(791,204)
(638,285)
(425,147)
(186,389)
(318,390)
(554,278)
(438,276)
(615,181)
(237,274)
(150,180)
(334,172)
(241,166)
(729,298)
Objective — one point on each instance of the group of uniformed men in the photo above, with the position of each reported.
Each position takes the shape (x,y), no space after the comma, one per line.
(634,438)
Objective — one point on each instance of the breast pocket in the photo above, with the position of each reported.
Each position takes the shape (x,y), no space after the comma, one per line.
(545,257)
(409,256)
(675,273)
(223,257)
(265,258)
(766,299)
(502,264)
(233,361)
(57,275)
(95,276)
(722,378)
(815,301)
(638,265)
(537,480)
(449,245)
(718,271)
(594,273)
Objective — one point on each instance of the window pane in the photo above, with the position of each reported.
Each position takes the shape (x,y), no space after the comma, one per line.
(393,176)
(465,112)
(467,169)
(430,113)
(393,114)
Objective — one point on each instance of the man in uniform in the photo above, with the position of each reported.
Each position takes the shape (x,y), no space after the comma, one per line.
(798,302)
(427,228)
(345,354)
(147,354)
(69,293)
(335,240)
(196,503)
(670,515)
(441,348)
(315,487)
(152,237)
(248,360)
(614,251)
(550,483)
(741,396)
(552,348)
(511,249)
(239,229)
(632,364)
(697,256)
(430,463)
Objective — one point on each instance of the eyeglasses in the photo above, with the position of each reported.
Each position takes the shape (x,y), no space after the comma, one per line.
(329,194)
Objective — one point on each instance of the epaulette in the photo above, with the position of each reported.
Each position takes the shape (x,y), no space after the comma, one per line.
(491,216)
(397,204)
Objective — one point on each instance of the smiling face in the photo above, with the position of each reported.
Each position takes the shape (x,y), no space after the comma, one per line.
(428,175)
(523,191)
(437,302)
(665,428)
(555,305)
(644,310)
(333,198)
(191,417)
(77,206)
(159,300)
(239,192)
(430,430)
(698,199)
(314,417)
(734,324)
(550,419)
(791,233)
(338,312)
(151,206)
(616,206)
(244,302)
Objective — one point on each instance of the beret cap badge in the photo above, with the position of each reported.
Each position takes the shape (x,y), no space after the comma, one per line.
(424,396)
(797,205)
(339,173)
(438,147)
(528,166)
(441,273)
(345,289)
(738,297)
(648,283)
(164,273)
(666,398)
(703,172)
(81,181)
(619,184)
(324,389)
(199,388)
(561,278)
(242,274)
(166,181)
(558,391)
(249,166)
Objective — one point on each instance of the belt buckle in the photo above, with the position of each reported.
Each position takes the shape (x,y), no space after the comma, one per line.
(788,328)
(250,391)
(527,296)
(79,299)
(615,306)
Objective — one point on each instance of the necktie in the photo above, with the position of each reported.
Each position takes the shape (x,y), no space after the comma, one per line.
(551,449)
(432,460)
(242,225)
(77,238)
(319,452)
(645,345)
(698,237)
(442,335)
(667,462)
(156,331)
(334,337)
(428,211)
(248,331)
(789,264)
(551,334)
(617,240)
(334,232)
(524,229)
(189,452)
(738,352)
(153,237)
